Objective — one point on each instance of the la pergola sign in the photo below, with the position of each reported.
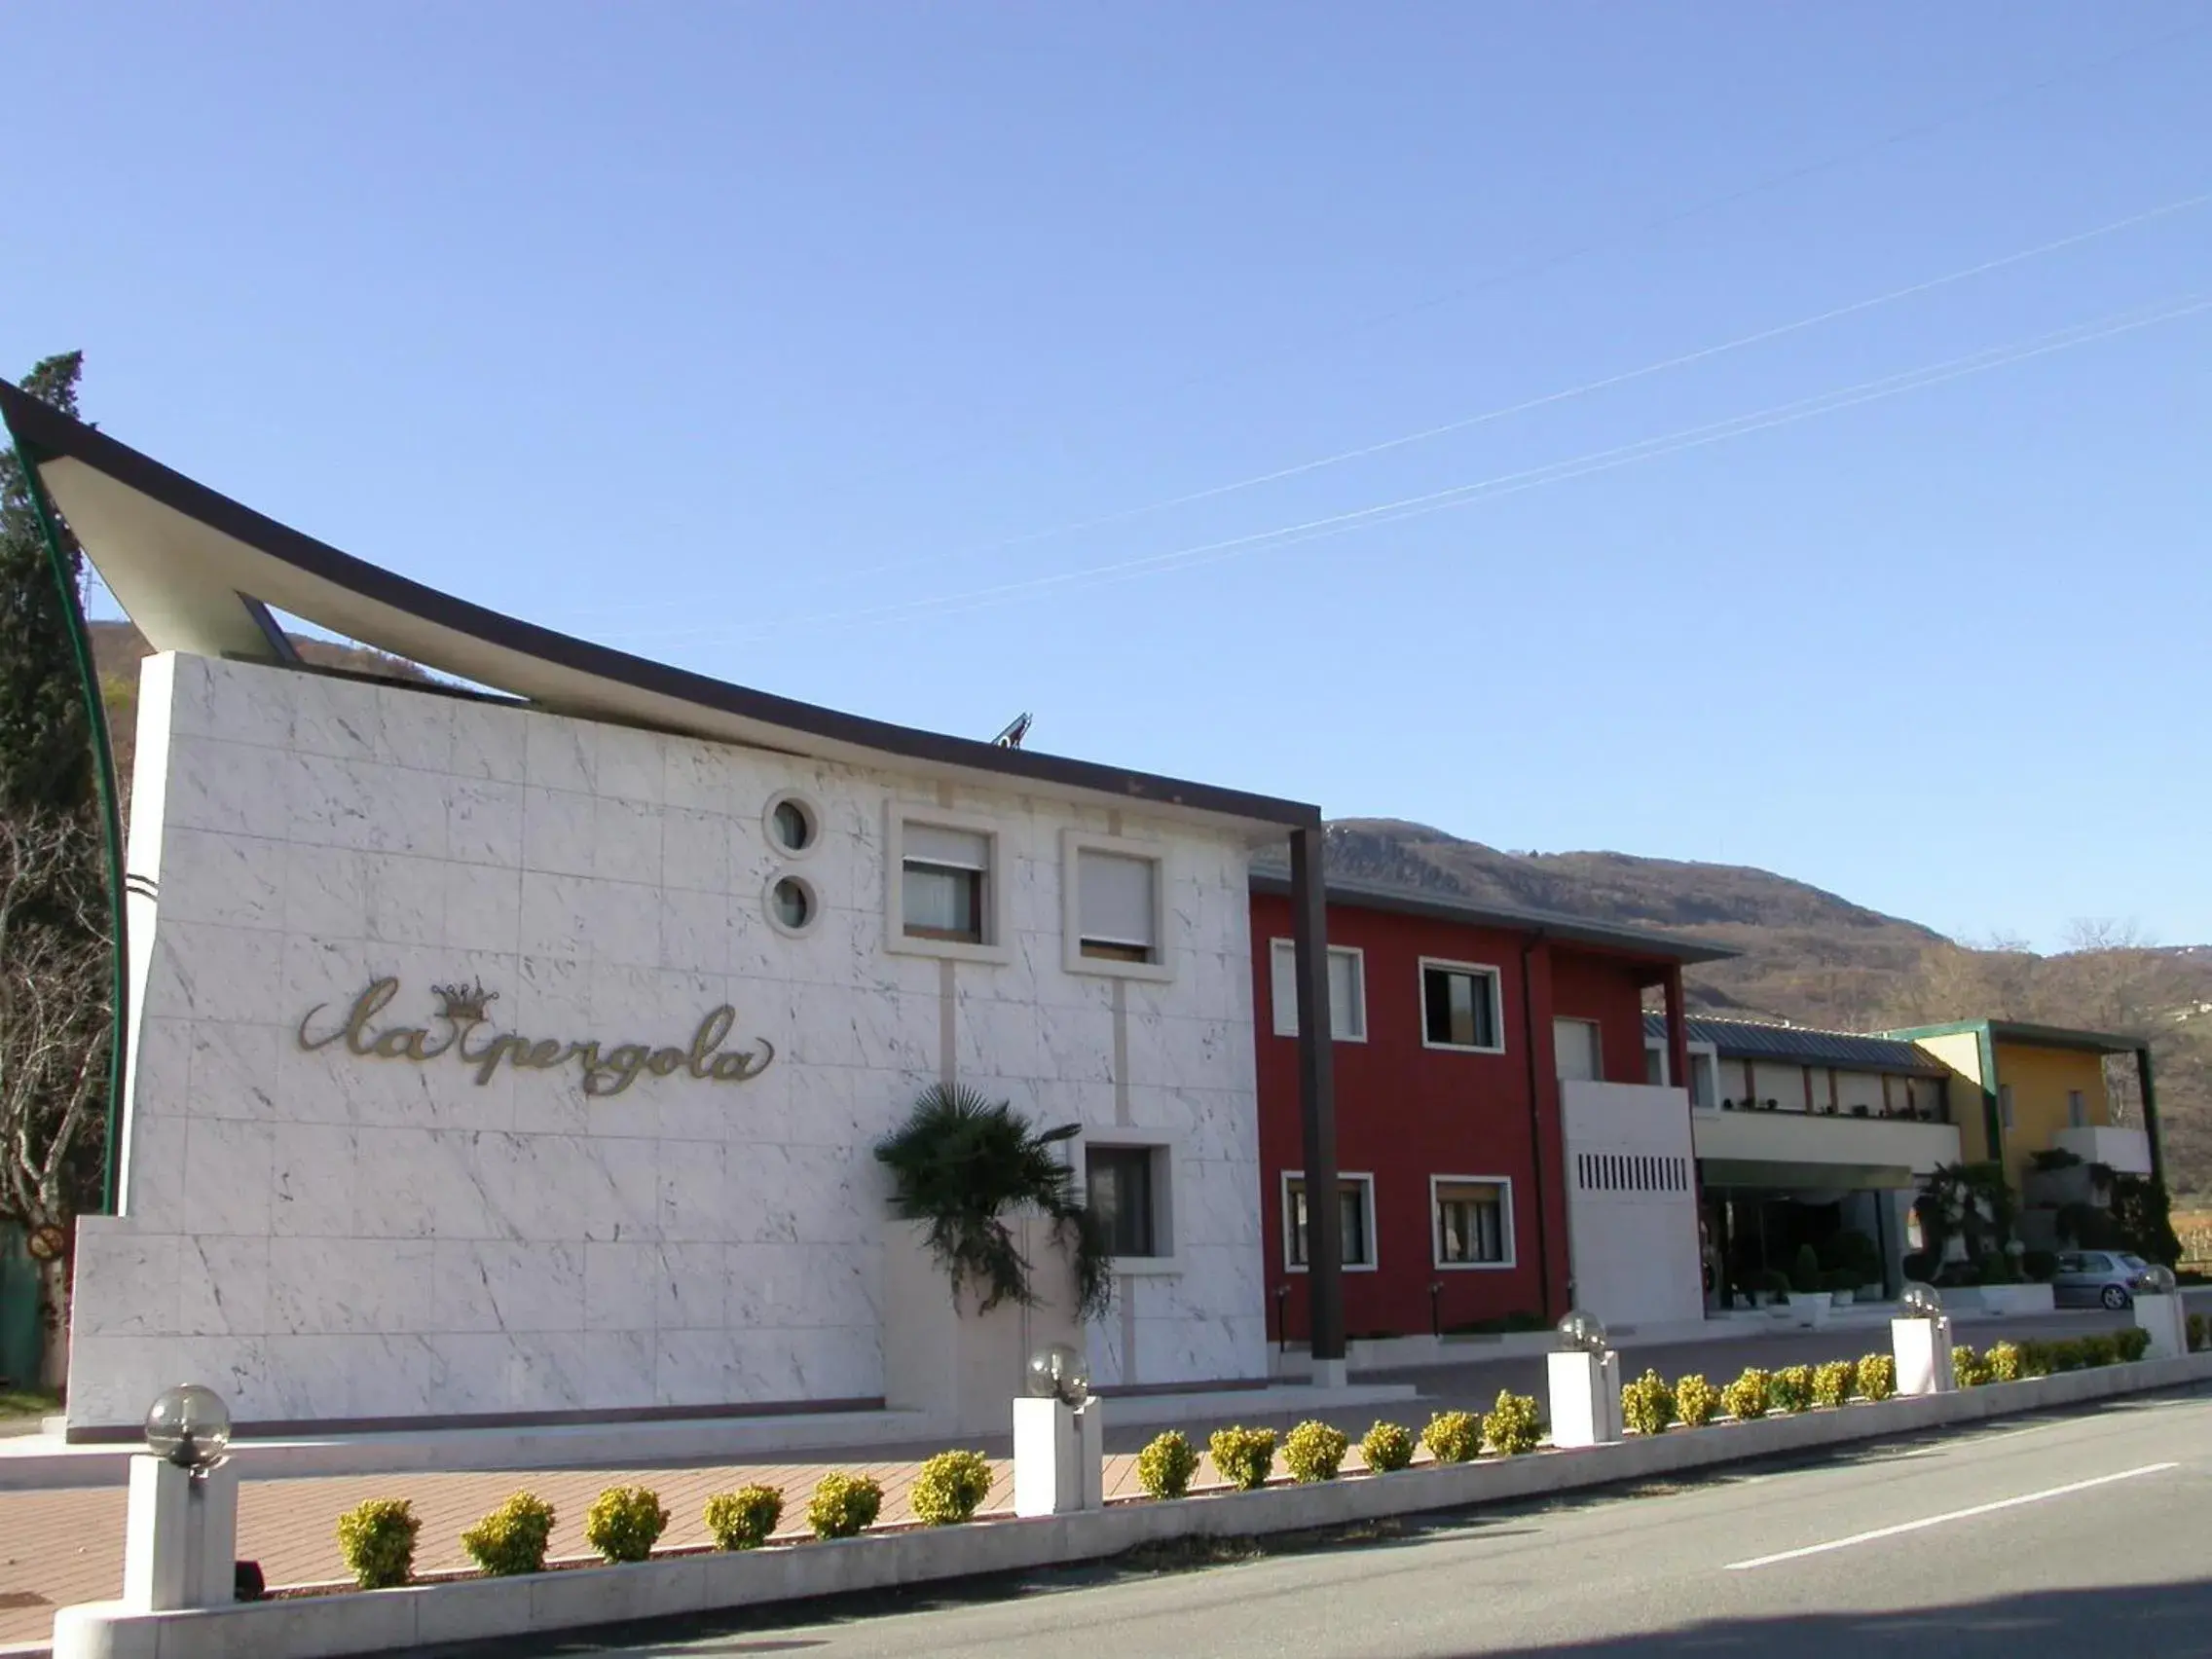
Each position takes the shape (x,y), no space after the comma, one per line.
(608,1069)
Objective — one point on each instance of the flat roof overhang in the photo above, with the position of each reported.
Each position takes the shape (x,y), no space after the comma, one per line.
(188,566)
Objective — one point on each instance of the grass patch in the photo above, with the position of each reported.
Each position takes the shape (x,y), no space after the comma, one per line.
(29,1403)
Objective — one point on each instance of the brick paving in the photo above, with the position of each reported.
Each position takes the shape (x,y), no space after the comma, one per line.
(66,1545)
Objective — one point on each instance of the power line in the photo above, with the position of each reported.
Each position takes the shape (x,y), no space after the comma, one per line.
(1424,434)
(1511,483)
(1760,186)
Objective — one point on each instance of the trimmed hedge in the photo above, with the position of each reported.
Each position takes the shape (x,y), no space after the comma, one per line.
(743,1520)
(377,1540)
(1515,1424)
(511,1540)
(1748,1397)
(1647,1404)
(1243,1456)
(624,1523)
(1832,1383)
(1314,1452)
(1696,1401)
(1386,1448)
(843,1505)
(1166,1465)
(1876,1375)
(1453,1437)
(950,1488)
(1791,1390)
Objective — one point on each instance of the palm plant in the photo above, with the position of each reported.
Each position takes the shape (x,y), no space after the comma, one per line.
(960,1161)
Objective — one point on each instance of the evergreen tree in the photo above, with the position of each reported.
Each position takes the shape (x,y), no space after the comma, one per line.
(45,753)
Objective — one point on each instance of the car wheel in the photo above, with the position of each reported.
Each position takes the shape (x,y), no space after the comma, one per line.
(2115,1297)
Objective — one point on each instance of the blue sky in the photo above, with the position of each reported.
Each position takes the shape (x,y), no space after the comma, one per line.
(855,352)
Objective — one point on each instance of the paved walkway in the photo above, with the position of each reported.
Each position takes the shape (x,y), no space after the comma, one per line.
(62,1547)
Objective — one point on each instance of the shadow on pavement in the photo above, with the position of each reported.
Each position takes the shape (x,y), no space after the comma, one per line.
(2157,1621)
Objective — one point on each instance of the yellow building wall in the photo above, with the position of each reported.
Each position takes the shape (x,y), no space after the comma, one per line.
(2040,1080)
(1962,1052)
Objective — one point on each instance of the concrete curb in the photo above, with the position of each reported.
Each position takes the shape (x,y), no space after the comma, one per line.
(327,1626)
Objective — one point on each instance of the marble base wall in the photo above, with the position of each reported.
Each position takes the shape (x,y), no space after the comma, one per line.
(329,1235)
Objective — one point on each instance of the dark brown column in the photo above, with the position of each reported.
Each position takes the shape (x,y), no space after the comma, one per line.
(2150,1110)
(1678,1030)
(1317,1099)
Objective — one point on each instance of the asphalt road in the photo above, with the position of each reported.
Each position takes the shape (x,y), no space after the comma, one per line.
(2049,1536)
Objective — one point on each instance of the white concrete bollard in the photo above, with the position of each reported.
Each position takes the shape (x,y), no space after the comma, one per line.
(1923,1347)
(1059,1456)
(180,1541)
(1586,1398)
(2167,1322)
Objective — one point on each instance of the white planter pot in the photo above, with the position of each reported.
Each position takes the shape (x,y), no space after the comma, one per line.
(2007,1299)
(1841,1298)
(1810,1311)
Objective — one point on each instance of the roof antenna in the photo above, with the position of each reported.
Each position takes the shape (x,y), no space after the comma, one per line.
(1016,729)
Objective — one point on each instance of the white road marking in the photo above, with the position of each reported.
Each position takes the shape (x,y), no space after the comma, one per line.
(1953,1515)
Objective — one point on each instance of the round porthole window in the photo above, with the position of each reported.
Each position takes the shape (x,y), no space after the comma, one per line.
(793,826)
(792,904)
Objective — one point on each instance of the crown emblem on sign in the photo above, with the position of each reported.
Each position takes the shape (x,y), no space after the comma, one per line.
(457,1001)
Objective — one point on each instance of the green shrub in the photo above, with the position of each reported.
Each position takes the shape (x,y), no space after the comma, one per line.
(2100,1350)
(1696,1401)
(1841,1278)
(1647,1404)
(1514,1424)
(1773,1280)
(377,1540)
(950,1488)
(2003,1362)
(624,1523)
(843,1505)
(1805,1271)
(1851,1251)
(1453,1437)
(2200,1332)
(1996,1268)
(2133,1344)
(1386,1448)
(1244,1457)
(1876,1375)
(1166,1465)
(2040,1266)
(512,1539)
(1791,1390)
(1746,1398)
(1313,1451)
(1831,1383)
(1968,1366)
(743,1520)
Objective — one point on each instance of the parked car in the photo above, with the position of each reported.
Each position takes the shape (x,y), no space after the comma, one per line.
(2090,1277)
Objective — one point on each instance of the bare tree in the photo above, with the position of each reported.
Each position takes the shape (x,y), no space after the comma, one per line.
(54,1010)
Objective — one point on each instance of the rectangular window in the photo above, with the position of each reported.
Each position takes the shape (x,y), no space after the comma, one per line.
(944,874)
(1355,1220)
(1577,1051)
(1114,910)
(2005,1105)
(1459,1007)
(1117,900)
(1473,1222)
(2076,1110)
(1119,1188)
(1705,1088)
(1347,991)
(1654,1065)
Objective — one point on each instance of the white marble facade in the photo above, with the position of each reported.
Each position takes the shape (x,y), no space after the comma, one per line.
(323,1235)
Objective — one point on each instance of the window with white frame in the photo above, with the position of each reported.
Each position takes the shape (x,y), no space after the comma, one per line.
(1347,991)
(1460,1008)
(1115,906)
(1705,1071)
(1355,1221)
(1125,1188)
(946,890)
(1472,1219)
(1576,1051)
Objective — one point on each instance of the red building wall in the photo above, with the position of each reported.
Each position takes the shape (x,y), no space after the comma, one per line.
(1406,1112)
